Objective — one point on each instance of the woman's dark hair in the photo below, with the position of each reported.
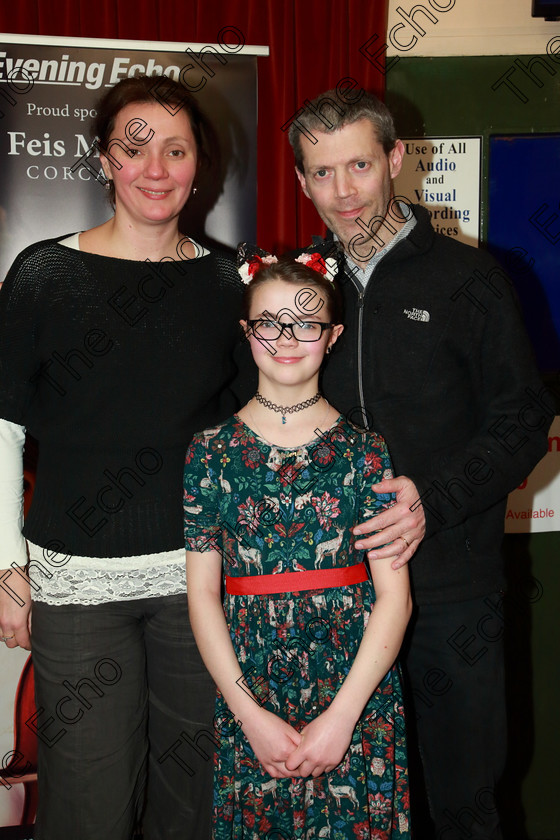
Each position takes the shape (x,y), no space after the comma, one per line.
(151,89)
(298,274)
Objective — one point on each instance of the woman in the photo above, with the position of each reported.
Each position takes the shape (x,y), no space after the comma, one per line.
(303,649)
(117,345)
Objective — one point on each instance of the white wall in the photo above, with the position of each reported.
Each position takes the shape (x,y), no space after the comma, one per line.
(470,27)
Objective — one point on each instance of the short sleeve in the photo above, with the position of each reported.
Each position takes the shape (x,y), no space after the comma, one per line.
(374,465)
(201,500)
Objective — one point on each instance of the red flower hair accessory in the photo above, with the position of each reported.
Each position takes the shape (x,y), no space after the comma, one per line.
(248,268)
(327,267)
(250,258)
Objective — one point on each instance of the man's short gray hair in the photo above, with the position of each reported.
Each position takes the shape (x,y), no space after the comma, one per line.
(329,112)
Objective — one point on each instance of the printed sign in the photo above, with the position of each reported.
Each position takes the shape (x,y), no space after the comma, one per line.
(534,506)
(443,174)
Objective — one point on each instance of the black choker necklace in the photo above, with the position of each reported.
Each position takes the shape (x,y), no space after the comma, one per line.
(287,409)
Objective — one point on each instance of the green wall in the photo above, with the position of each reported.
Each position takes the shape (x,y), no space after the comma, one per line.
(454,97)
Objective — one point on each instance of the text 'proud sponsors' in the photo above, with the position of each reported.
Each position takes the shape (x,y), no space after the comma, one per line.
(19,77)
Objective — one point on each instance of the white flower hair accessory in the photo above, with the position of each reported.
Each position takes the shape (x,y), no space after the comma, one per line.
(250,258)
(248,268)
(327,267)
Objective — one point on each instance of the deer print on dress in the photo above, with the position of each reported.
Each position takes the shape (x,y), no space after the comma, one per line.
(251,557)
(343,791)
(329,547)
(265,787)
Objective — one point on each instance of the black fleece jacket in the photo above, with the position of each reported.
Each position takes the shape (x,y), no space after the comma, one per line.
(436,354)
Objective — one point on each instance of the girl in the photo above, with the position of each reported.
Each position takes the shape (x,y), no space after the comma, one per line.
(309,711)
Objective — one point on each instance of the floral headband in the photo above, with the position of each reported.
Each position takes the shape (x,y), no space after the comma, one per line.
(250,259)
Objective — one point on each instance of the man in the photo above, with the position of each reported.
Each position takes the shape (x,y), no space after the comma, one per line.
(434,356)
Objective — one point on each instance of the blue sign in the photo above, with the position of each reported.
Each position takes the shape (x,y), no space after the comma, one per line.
(524,231)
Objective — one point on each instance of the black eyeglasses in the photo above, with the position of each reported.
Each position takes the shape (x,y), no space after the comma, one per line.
(300,330)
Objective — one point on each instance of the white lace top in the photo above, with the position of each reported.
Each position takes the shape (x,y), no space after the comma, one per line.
(99,580)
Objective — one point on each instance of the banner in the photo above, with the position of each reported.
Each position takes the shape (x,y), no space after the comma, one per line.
(48,94)
(49,187)
(535,505)
(443,174)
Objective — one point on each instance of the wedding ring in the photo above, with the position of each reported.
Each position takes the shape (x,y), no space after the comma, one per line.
(406,542)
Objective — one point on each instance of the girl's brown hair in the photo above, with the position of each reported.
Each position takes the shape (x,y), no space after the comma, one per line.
(298,274)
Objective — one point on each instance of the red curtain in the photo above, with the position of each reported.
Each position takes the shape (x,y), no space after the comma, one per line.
(313,45)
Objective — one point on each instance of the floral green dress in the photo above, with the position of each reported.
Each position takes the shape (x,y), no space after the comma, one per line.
(271,510)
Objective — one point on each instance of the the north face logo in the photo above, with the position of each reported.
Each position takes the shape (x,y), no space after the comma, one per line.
(417,314)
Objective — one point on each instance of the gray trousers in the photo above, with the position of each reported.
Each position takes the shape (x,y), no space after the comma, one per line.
(124,720)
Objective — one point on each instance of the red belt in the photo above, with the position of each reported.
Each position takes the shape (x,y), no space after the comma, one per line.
(296,581)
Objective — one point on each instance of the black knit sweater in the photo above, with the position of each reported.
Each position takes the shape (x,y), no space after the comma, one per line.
(113,365)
